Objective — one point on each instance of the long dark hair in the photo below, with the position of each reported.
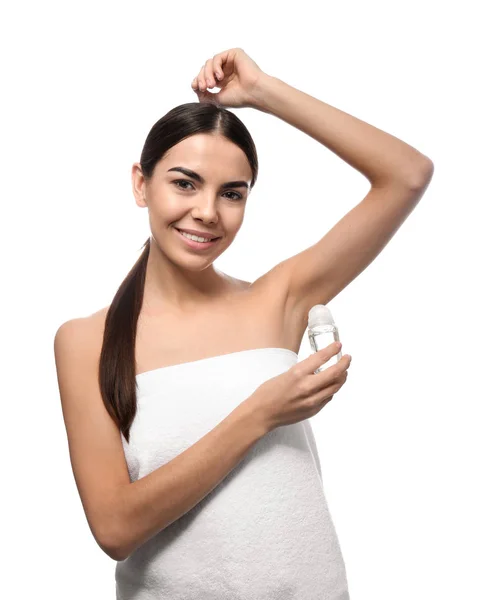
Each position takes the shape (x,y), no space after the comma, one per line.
(117,365)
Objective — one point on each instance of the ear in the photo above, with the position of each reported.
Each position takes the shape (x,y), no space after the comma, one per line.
(138,185)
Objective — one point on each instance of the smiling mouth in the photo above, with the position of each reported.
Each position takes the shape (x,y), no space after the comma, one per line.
(211,239)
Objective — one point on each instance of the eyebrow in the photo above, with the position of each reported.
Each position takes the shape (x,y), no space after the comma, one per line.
(198,177)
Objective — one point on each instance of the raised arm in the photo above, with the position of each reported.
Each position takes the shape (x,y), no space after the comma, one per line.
(399,175)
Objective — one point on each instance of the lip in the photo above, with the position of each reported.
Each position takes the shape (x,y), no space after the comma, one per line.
(200,247)
(205,234)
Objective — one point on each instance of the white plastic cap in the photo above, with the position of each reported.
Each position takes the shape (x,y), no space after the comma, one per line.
(320,315)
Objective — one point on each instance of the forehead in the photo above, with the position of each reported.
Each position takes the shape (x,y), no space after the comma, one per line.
(210,154)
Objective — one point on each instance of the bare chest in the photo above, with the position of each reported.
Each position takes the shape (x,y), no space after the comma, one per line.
(244,322)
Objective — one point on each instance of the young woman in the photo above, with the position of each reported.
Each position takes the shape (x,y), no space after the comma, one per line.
(185,405)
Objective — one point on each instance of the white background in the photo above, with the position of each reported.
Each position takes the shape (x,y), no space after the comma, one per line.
(405,444)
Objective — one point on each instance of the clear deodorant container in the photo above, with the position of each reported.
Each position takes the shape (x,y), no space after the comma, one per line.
(323,331)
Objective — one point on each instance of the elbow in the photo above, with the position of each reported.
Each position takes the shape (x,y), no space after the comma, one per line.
(416,176)
(109,540)
(112,548)
(421,176)
(117,554)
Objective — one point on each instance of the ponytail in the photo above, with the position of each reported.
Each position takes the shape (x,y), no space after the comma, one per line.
(117,368)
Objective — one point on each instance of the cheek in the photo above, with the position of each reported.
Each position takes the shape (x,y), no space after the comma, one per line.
(233,222)
(167,211)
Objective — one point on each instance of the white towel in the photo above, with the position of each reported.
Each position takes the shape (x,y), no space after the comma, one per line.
(265,532)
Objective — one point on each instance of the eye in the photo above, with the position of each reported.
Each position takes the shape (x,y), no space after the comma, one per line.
(239,197)
(179,181)
(182,181)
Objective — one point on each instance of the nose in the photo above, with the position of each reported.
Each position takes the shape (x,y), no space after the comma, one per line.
(206,210)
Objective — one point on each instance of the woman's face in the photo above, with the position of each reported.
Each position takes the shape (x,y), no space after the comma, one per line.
(178,200)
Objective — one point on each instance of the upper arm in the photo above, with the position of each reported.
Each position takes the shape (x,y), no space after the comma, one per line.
(95,446)
(317,274)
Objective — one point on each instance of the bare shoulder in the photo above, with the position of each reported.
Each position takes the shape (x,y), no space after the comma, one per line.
(85,333)
(74,332)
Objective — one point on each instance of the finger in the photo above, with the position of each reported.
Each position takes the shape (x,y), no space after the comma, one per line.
(323,396)
(217,67)
(221,60)
(209,97)
(201,79)
(317,359)
(340,367)
(209,75)
(331,375)
(326,400)
(319,400)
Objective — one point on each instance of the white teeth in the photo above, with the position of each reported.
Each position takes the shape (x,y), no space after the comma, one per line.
(195,237)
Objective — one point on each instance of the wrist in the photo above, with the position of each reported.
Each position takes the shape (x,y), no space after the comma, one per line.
(252,418)
(260,91)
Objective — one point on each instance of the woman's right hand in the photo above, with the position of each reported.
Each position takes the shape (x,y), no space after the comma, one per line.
(237,76)
(299,393)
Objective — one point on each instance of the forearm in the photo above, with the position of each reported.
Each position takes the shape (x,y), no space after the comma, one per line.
(148,505)
(381,157)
